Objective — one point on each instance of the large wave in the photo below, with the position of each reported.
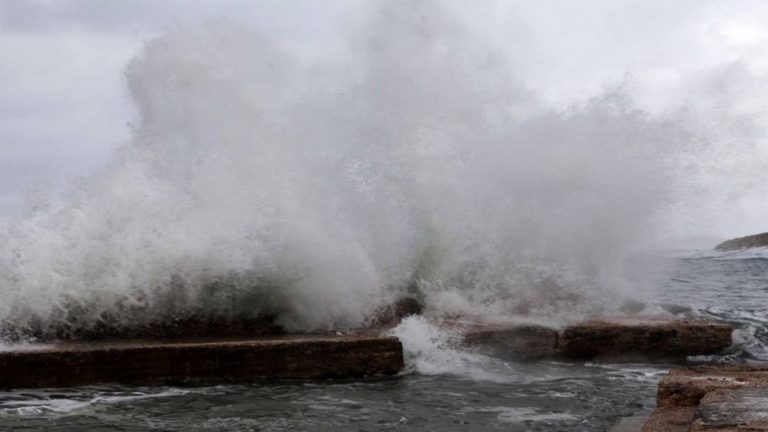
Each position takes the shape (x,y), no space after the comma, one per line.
(255,185)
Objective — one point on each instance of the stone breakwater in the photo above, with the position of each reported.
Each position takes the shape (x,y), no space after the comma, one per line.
(359,353)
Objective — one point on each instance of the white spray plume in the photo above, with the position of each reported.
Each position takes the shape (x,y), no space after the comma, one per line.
(254,185)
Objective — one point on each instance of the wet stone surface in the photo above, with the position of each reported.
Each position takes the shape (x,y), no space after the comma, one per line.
(200,360)
(644,337)
(734,409)
(712,398)
(687,386)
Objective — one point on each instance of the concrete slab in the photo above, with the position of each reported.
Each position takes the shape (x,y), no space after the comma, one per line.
(687,386)
(181,361)
(643,337)
(733,410)
(712,398)
(617,339)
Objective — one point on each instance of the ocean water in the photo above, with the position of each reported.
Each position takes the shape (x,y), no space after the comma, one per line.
(443,388)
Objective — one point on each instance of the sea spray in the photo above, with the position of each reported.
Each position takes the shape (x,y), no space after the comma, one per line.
(256,186)
(430,350)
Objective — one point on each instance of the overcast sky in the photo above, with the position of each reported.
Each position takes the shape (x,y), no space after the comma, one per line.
(64,105)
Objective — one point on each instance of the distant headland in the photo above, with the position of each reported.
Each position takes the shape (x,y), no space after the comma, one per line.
(753,241)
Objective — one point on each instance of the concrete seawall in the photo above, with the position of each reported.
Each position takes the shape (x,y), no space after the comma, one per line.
(364,352)
(165,362)
(615,339)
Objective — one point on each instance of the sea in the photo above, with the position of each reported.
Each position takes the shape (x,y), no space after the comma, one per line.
(442,389)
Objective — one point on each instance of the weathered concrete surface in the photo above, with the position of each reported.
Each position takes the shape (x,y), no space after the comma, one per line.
(644,338)
(686,386)
(733,410)
(615,338)
(753,241)
(711,398)
(163,362)
(671,419)
(519,342)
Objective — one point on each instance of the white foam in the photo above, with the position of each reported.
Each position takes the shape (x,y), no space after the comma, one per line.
(430,350)
(58,405)
(524,414)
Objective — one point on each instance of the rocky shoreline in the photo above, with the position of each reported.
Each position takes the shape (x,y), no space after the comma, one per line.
(740,243)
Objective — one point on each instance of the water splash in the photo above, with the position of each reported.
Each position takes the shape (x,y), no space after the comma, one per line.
(254,186)
(430,350)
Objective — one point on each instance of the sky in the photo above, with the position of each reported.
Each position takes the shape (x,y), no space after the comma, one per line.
(65,107)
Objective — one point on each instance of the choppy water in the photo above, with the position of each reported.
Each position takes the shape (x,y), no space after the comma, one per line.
(464,392)
(536,397)
(731,287)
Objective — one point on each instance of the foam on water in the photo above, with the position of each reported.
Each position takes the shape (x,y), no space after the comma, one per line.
(255,185)
(37,403)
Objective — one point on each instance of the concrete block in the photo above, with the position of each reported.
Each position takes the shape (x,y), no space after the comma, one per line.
(181,361)
(632,338)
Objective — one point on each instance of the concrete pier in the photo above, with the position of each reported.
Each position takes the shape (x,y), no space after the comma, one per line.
(183,361)
(643,338)
(615,339)
(363,352)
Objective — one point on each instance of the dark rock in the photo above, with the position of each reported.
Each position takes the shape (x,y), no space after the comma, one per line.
(183,361)
(753,241)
